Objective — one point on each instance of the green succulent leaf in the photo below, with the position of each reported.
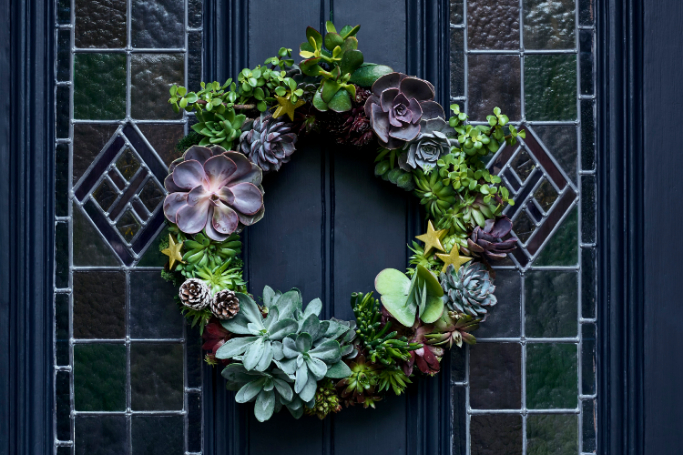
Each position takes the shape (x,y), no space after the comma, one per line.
(351,61)
(341,102)
(339,370)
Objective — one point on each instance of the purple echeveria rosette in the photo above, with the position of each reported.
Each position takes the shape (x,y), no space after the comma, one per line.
(213,190)
(397,106)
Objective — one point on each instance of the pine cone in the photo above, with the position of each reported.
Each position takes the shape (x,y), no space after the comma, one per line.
(270,142)
(225,305)
(195,294)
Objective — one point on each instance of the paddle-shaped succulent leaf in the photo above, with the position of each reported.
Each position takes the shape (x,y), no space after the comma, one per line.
(269,389)
(256,349)
(405,298)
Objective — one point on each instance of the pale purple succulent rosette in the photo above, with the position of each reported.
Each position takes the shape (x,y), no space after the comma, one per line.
(214,190)
(397,106)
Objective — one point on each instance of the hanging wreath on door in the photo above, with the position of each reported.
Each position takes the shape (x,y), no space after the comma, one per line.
(279,353)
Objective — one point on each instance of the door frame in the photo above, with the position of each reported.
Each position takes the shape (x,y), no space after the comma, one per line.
(27,223)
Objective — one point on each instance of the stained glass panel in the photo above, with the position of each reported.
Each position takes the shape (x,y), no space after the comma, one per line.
(128,371)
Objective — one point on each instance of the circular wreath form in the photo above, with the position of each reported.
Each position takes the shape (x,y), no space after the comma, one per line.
(279,352)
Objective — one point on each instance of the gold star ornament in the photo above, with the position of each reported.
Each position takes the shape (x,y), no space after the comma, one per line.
(432,239)
(285,106)
(453,258)
(173,252)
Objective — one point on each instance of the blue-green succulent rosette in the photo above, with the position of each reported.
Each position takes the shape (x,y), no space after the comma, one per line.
(279,353)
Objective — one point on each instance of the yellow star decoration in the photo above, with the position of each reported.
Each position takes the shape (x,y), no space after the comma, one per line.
(173,252)
(286,107)
(453,258)
(432,239)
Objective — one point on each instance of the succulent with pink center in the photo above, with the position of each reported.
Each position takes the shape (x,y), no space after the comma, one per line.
(214,191)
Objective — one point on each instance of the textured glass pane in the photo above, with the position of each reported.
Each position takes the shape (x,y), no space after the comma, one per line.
(99,305)
(588,282)
(587,135)
(105,194)
(545,195)
(63,401)
(128,164)
(554,434)
(504,320)
(194,356)
(551,304)
(63,11)
(494,80)
(64,55)
(157,435)
(524,226)
(156,376)
(152,195)
(586,56)
(101,24)
(550,87)
(588,363)
(99,377)
(523,165)
(153,299)
(101,435)
(458,420)
(563,246)
(194,60)
(151,77)
(62,256)
(88,142)
(194,422)
(457,62)
(561,142)
(495,376)
(551,378)
(158,23)
(62,180)
(588,204)
(459,364)
(153,257)
(194,13)
(456,11)
(100,86)
(62,328)
(163,139)
(62,129)
(549,24)
(493,25)
(496,434)
(586,12)
(88,245)
(589,426)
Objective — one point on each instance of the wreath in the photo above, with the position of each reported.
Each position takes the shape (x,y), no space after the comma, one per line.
(279,353)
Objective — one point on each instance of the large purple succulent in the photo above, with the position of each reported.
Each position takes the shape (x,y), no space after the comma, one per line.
(488,242)
(215,190)
(397,105)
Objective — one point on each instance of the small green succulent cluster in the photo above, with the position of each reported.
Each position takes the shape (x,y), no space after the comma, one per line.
(388,169)
(280,359)
(326,400)
(382,345)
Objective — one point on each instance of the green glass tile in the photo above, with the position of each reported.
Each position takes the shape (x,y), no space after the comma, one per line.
(552,434)
(546,195)
(157,435)
(494,80)
(128,225)
(100,86)
(105,195)
(88,246)
(101,24)
(152,195)
(493,25)
(551,303)
(158,23)
(561,142)
(99,304)
(153,257)
(550,87)
(151,77)
(128,164)
(100,377)
(89,140)
(523,226)
(156,376)
(563,246)
(551,376)
(549,24)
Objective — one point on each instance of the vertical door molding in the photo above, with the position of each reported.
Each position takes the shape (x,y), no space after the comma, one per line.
(620,222)
(26,226)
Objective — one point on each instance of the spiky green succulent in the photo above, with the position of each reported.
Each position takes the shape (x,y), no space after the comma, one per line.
(383,345)
(433,194)
(419,258)
(453,328)
(228,275)
(203,252)
(360,387)
(393,378)
(469,289)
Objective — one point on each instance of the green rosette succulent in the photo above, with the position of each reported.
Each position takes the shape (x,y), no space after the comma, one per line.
(469,289)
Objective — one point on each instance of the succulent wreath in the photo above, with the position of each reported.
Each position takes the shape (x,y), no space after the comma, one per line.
(279,353)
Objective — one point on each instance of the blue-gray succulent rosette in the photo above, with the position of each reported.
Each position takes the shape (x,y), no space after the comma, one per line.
(279,353)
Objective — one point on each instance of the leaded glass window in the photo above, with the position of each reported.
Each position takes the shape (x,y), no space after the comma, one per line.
(528,387)
(122,384)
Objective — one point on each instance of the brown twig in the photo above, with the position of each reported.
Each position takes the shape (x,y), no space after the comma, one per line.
(237,107)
